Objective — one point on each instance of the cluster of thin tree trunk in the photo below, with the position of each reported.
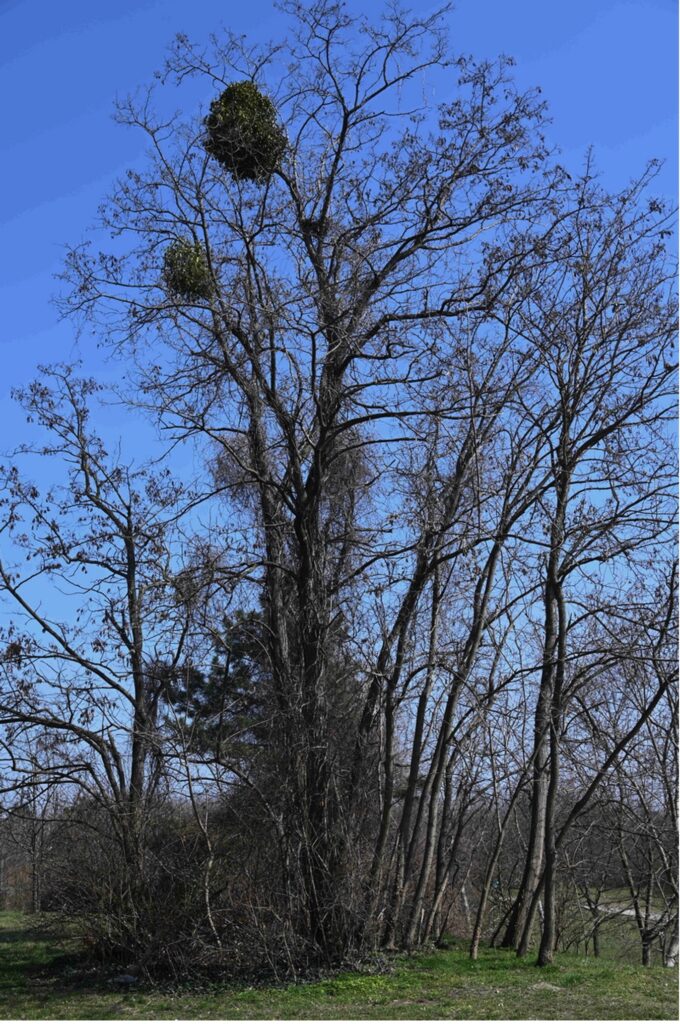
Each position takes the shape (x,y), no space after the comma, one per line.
(398,596)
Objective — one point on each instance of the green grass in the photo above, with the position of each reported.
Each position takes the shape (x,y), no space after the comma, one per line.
(36,982)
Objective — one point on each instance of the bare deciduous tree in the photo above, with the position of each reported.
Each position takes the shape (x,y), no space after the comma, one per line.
(428,375)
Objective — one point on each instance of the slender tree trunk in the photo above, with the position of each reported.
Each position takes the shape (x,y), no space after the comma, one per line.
(488,876)
(433,816)
(549,930)
(405,834)
(521,925)
(670,947)
(646,949)
(534,857)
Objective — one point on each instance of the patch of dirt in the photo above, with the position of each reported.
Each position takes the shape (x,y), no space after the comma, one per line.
(410,1002)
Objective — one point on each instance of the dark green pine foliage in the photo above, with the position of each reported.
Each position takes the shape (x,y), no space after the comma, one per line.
(224,710)
(242,133)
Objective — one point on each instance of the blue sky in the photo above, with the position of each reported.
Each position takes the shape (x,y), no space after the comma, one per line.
(607,69)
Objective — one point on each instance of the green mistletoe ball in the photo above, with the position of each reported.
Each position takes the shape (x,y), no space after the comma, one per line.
(242,133)
(185,271)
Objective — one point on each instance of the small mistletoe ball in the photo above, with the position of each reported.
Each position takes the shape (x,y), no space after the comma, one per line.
(185,271)
(242,133)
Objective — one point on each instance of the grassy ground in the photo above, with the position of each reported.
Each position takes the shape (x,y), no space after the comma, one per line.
(37,982)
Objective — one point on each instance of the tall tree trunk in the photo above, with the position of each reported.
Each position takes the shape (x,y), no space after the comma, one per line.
(405,834)
(549,930)
(522,921)
(534,857)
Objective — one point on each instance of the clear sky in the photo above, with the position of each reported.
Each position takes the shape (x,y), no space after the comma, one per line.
(607,69)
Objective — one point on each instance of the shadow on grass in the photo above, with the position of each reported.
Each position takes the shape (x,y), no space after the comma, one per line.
(21,935)
(39,959)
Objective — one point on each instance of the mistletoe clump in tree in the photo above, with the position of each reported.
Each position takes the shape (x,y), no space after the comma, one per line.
(242,132)
(186,274)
